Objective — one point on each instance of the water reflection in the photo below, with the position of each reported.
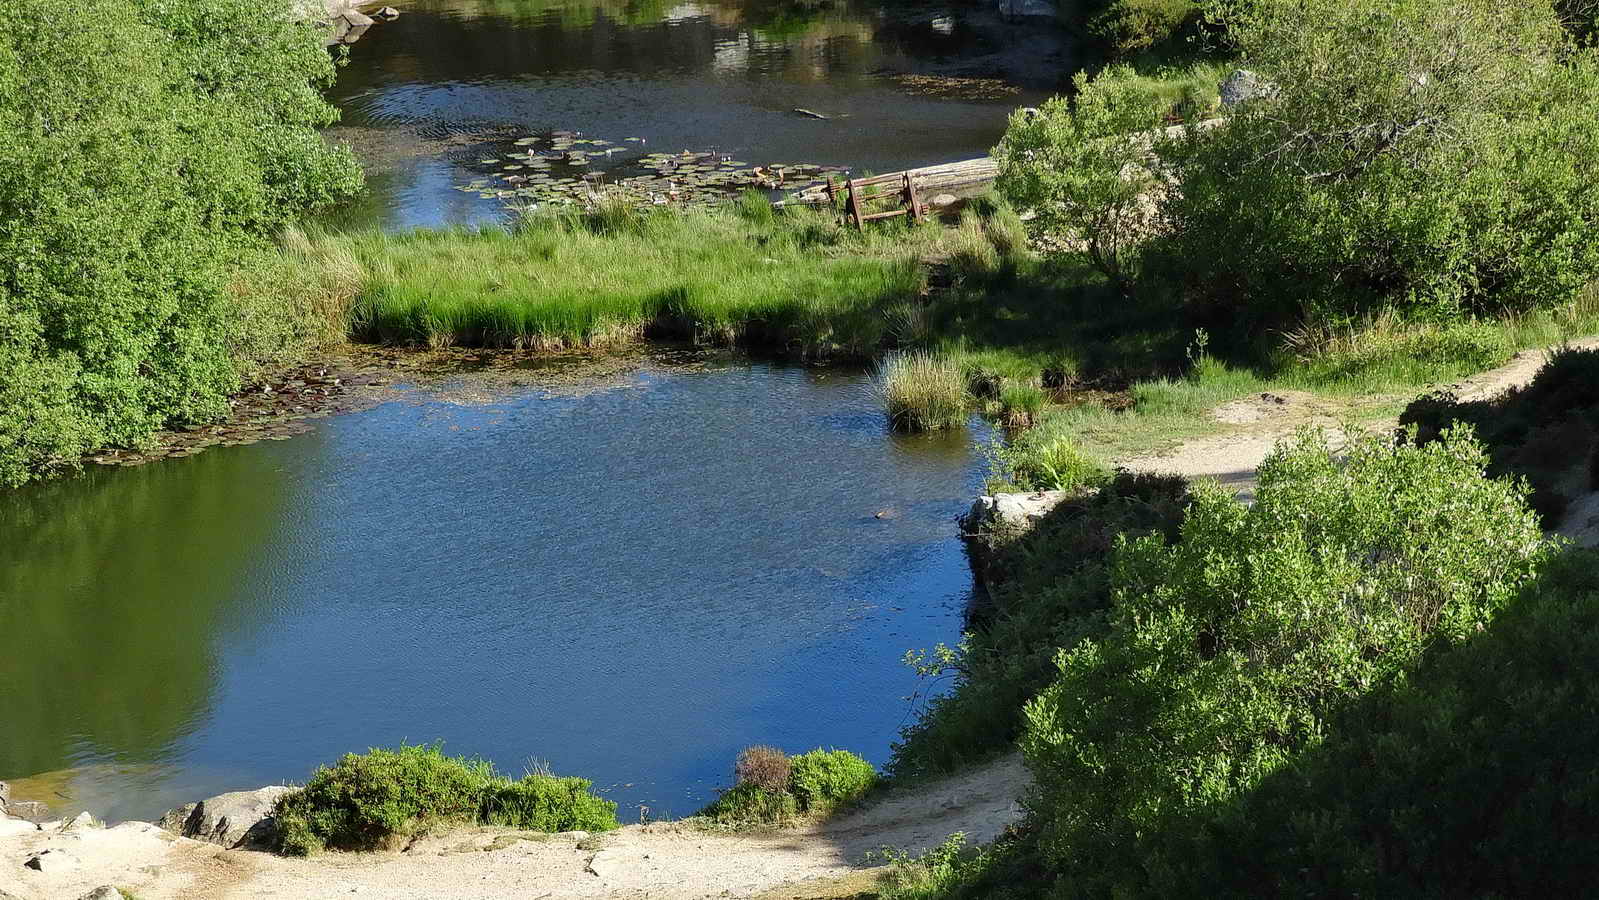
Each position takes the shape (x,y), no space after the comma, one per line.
(902,85)
(629,582)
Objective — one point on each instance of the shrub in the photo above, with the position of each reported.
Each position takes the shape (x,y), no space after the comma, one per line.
(1042,461)
(1474,777)
(145,145)
(1042,590)
(770,788)
(764,767)
(1082,167)
(1424,155)
(364,799)
(825,780)
(923,392)
(1128,26)
(1230,653)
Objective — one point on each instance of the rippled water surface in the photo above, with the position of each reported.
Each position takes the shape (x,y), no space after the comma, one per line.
(902,85)
(630,582)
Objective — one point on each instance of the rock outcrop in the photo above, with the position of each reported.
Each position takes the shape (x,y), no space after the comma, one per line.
(1243,86)
(241,819)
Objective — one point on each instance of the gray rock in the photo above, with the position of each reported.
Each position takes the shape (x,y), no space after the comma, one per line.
(944,200)
(234,820)
(387,14)
(103,892)
(1005,512)
(32,810)
(175,819)
(1243,86)
(5,795)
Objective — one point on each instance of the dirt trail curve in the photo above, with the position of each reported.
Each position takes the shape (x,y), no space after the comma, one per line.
(1233,458)
(661,861)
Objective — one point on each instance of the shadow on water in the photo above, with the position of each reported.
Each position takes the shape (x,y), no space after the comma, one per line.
(116,590)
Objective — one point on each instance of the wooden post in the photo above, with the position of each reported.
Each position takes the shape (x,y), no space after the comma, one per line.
(855,206)
(911,200)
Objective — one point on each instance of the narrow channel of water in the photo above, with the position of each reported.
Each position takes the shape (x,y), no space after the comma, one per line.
(629,582)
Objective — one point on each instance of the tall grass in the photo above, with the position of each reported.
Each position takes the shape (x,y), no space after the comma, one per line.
(793,280)
(923,391)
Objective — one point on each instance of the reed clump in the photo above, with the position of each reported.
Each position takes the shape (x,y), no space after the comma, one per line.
(923,391)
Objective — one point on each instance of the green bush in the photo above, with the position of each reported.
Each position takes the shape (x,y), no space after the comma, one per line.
(825,780)
(772,788)
(1474,777)
(1429,156)
(1039,460)
(364,799)
(1042,590)
(1228,654)
(145,145)
(1128,26)
(1081,167)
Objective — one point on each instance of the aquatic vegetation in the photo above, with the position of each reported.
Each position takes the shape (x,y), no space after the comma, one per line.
(562,168)
(365,799)
(923,391)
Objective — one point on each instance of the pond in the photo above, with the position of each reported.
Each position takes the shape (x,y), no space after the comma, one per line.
(629,581)
(902,84)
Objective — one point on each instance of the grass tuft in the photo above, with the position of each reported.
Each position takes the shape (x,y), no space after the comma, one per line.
(923,392)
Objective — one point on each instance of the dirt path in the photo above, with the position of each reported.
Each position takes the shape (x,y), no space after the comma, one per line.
(664,861)
(1263,421)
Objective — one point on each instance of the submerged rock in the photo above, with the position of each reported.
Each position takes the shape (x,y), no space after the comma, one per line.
(241,819)
(32,810)
(103,892)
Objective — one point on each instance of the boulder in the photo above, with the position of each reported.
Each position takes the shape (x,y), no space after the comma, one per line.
(103,892)
(387,14)
(1243,86)
(32,810)
(1010,512)
(944,200)
(238,819)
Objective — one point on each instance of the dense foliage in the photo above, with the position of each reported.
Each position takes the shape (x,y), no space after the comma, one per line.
(1043,590)
(1431,157)
(146,144)
(1230,652)
(771,788)
(1476,774)
(1129,26)
(1546,432)
(1080,164)
(367,798)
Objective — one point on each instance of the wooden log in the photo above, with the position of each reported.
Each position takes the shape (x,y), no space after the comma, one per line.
(855,207)
(872,217)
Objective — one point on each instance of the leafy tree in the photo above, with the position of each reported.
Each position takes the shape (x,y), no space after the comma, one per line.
(1432,156)
(143,146)
(1082,166)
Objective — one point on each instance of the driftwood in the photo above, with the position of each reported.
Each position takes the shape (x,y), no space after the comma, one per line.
(811,113)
